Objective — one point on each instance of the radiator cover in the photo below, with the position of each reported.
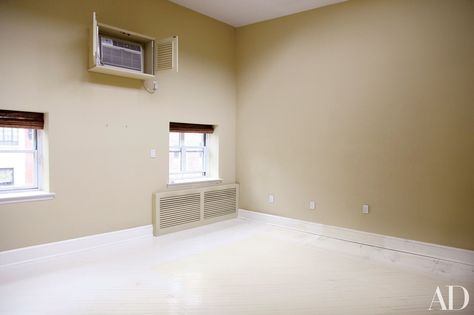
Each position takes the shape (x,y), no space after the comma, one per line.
(182,209)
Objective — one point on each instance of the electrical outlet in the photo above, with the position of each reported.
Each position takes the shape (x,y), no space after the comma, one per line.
(271,198)
(312,205)
(365,209)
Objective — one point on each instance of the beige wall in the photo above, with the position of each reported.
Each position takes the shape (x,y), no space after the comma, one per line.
(362,102)
(103,176)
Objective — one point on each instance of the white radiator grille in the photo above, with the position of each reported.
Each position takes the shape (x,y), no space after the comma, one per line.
(219,202)
(178,210)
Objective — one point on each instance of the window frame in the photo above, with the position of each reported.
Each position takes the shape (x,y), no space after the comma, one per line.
(183,149)
(37,152)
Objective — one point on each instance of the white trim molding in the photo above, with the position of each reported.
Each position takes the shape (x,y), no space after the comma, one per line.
(454,262)
(25,196)
(195,182)
(51,250)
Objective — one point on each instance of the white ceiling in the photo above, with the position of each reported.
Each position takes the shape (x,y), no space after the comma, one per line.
(242,12)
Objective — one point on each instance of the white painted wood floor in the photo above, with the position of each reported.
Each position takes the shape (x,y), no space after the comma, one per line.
(232,267)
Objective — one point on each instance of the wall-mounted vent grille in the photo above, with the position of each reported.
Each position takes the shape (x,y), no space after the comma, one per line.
(178,210)
(167,54)
(219,202)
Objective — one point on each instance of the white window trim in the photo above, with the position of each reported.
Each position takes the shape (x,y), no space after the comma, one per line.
(194,182)
(25,196)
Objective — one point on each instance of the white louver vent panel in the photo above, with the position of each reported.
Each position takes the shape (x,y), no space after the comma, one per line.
(220,202)
(178,210)
(167,54)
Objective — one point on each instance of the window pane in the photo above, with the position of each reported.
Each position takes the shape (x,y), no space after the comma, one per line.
(6,176)
(175,162)
(17,170)
(17,139)
(174,139)
(194,139)
(194,161)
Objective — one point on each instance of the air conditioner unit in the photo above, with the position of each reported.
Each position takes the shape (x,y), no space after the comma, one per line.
(121,53)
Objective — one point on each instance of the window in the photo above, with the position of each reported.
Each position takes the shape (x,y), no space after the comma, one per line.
(188,155)
(188,151)
(19,161)
(20,153)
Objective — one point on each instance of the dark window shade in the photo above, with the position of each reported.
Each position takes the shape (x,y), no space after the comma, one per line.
(191,128)
(16,119)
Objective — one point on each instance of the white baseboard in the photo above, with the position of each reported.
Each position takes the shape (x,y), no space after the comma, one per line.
(435,258)
(453,262)
(49,250)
